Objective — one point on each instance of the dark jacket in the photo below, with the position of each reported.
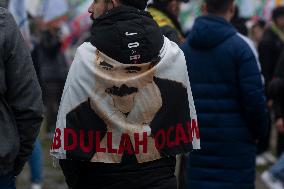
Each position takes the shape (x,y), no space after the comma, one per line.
(276,88)
(168,23)
(276,92)
(230,104)
(20,98)
(50,63)
(269,50)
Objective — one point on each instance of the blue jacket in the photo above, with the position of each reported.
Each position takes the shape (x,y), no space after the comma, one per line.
(230,104)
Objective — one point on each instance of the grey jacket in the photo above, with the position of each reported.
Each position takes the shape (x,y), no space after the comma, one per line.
(20,98)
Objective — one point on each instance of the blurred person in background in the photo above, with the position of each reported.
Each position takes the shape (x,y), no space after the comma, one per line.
(264,155)
(239,22)
(52,68)
(257,31)
(274,177)
(20,102)
(36,158)
(272,44)
(270,49)
(230,102)
(166,13)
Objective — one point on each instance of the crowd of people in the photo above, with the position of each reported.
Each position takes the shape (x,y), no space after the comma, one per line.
(145,104)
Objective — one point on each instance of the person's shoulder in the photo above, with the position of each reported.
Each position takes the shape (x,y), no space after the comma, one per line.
(171,52)
(243,43)
(160,17)
(244,40)
(247,49)
(83,60)
(85,50)
(86,47)
(5,15)
(7,20)
(7,26)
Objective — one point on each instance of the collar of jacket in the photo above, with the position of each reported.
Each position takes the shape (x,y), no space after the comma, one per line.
(164,17)
(161,19)
(128,35)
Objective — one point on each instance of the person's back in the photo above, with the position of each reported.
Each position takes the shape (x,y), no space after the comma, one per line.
(51,68)
(118,99)
(49,59)
(230,103)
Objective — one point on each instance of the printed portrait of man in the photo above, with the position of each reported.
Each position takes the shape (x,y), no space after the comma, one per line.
(129,99)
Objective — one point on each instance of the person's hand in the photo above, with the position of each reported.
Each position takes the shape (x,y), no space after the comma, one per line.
(280,125)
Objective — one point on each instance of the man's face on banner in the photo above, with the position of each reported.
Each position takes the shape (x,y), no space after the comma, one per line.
(121,83)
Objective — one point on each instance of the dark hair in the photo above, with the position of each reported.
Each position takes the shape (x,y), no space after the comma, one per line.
(277,12)
(139,4)
(259,23)
(163,3)
(218,6)
(166,2)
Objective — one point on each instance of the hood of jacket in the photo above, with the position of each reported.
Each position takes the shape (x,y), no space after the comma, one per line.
(210,31)
(128,35)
